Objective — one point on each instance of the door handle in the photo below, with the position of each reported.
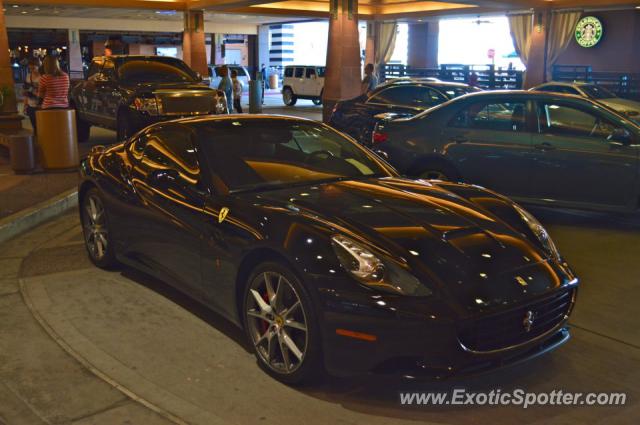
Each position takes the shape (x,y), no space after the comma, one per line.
(545,146)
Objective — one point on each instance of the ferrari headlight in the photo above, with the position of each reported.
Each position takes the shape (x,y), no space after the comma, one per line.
(372,271)
(539,232)
(146,104)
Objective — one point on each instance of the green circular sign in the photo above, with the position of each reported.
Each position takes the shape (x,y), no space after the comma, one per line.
(588,31)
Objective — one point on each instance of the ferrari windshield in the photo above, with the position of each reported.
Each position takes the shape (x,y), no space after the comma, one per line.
(250,154)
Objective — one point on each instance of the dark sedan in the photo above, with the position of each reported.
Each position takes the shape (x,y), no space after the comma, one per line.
(322,253)
(401,97)
(542,148)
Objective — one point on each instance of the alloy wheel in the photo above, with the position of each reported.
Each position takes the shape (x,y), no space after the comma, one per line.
(96,234)
(277,322)
(287,95)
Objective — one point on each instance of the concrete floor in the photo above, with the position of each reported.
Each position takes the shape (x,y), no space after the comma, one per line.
(186,362)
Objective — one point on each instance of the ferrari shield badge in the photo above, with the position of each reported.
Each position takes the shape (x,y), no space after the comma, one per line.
(223,214)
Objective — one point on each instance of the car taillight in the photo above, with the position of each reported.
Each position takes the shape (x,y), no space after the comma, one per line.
(379,137)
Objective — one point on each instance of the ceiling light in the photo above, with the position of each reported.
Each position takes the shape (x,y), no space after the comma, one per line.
(15,5)
(36,9)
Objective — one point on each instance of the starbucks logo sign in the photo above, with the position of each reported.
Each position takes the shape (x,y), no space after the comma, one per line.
(588,31)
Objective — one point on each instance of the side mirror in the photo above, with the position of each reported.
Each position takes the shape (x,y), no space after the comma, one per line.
(620,136)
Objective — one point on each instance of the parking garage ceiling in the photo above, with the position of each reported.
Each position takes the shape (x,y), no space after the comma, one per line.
(263,11)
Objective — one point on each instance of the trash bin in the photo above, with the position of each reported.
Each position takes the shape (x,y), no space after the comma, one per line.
(57,139)
(273,81)
(255,96)
(21,152)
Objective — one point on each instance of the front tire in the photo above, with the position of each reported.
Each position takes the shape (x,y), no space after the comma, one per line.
(288,97)
(123,127)
(281,325)
(95,227)
(317,101)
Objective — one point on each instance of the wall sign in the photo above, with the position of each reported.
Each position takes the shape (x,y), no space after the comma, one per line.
(588,31)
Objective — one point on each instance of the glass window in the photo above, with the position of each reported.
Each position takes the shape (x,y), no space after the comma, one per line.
(109,70)
(320,71)
(299,72)
(564,120)
(172,148)
(94,68)
(310,72)
(597,92)
(453,92)
(156,70)
(497,116)
(288,72)
(408,95)
(249,154)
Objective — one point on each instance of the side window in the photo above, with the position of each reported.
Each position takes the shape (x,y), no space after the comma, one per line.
(564,120)
(299,72)
(94,68)
(310,72)
(496,116)
(288,72)
(137,146)
(109,70)
(321,70)
(409,95)
(172,148)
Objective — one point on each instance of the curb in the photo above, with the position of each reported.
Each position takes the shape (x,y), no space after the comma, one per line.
(29,218)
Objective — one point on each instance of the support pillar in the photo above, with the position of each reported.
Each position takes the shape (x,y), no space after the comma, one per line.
(536,62)
(194,47)
(422,51)
(74,54)
(9,117)
(343,77)
(370,46)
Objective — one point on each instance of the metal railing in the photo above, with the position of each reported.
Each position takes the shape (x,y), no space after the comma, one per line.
(623,84)
(487,76)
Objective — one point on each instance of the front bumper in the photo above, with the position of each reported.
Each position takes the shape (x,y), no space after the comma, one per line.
(409,344)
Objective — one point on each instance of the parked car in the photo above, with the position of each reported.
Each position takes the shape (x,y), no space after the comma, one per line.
(322,253)
(536,147)
(127,93)
(401,97)
(243,75)
(595,92)
(302,82)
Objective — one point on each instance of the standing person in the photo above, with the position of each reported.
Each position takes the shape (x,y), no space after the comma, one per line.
(54,85)
(370,80)
(30,87)
(226,85)
(237,91)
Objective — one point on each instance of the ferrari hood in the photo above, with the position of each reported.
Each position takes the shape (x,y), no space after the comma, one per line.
(447,240)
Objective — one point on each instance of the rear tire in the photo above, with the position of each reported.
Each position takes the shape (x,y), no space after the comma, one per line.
(95,228)
(84,130)
(436,171)
(123,127)
(281,325)
(288,97)
(317,101)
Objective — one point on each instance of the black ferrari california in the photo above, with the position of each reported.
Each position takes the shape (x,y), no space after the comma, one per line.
(322,253)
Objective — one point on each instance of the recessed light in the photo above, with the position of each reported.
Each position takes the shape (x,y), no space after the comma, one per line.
(36,9)
(24,12)
(15,5)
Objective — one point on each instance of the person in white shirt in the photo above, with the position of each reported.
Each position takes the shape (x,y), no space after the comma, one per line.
(237,92)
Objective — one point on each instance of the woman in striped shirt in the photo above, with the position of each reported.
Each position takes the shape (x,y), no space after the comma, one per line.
(54,85)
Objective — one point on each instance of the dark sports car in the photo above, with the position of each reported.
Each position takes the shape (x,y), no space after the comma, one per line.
(322,253)
(400,98)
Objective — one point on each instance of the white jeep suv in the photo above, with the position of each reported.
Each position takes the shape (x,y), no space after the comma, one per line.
(302,82)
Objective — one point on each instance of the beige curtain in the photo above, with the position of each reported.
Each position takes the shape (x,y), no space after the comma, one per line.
(561,31)
(385,37)
(521,27)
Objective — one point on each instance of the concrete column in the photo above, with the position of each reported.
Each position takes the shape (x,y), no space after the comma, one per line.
(343,76)
(8,108)
(74,52)
(193,41)
(422,51)
(263,46)
(536,64)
